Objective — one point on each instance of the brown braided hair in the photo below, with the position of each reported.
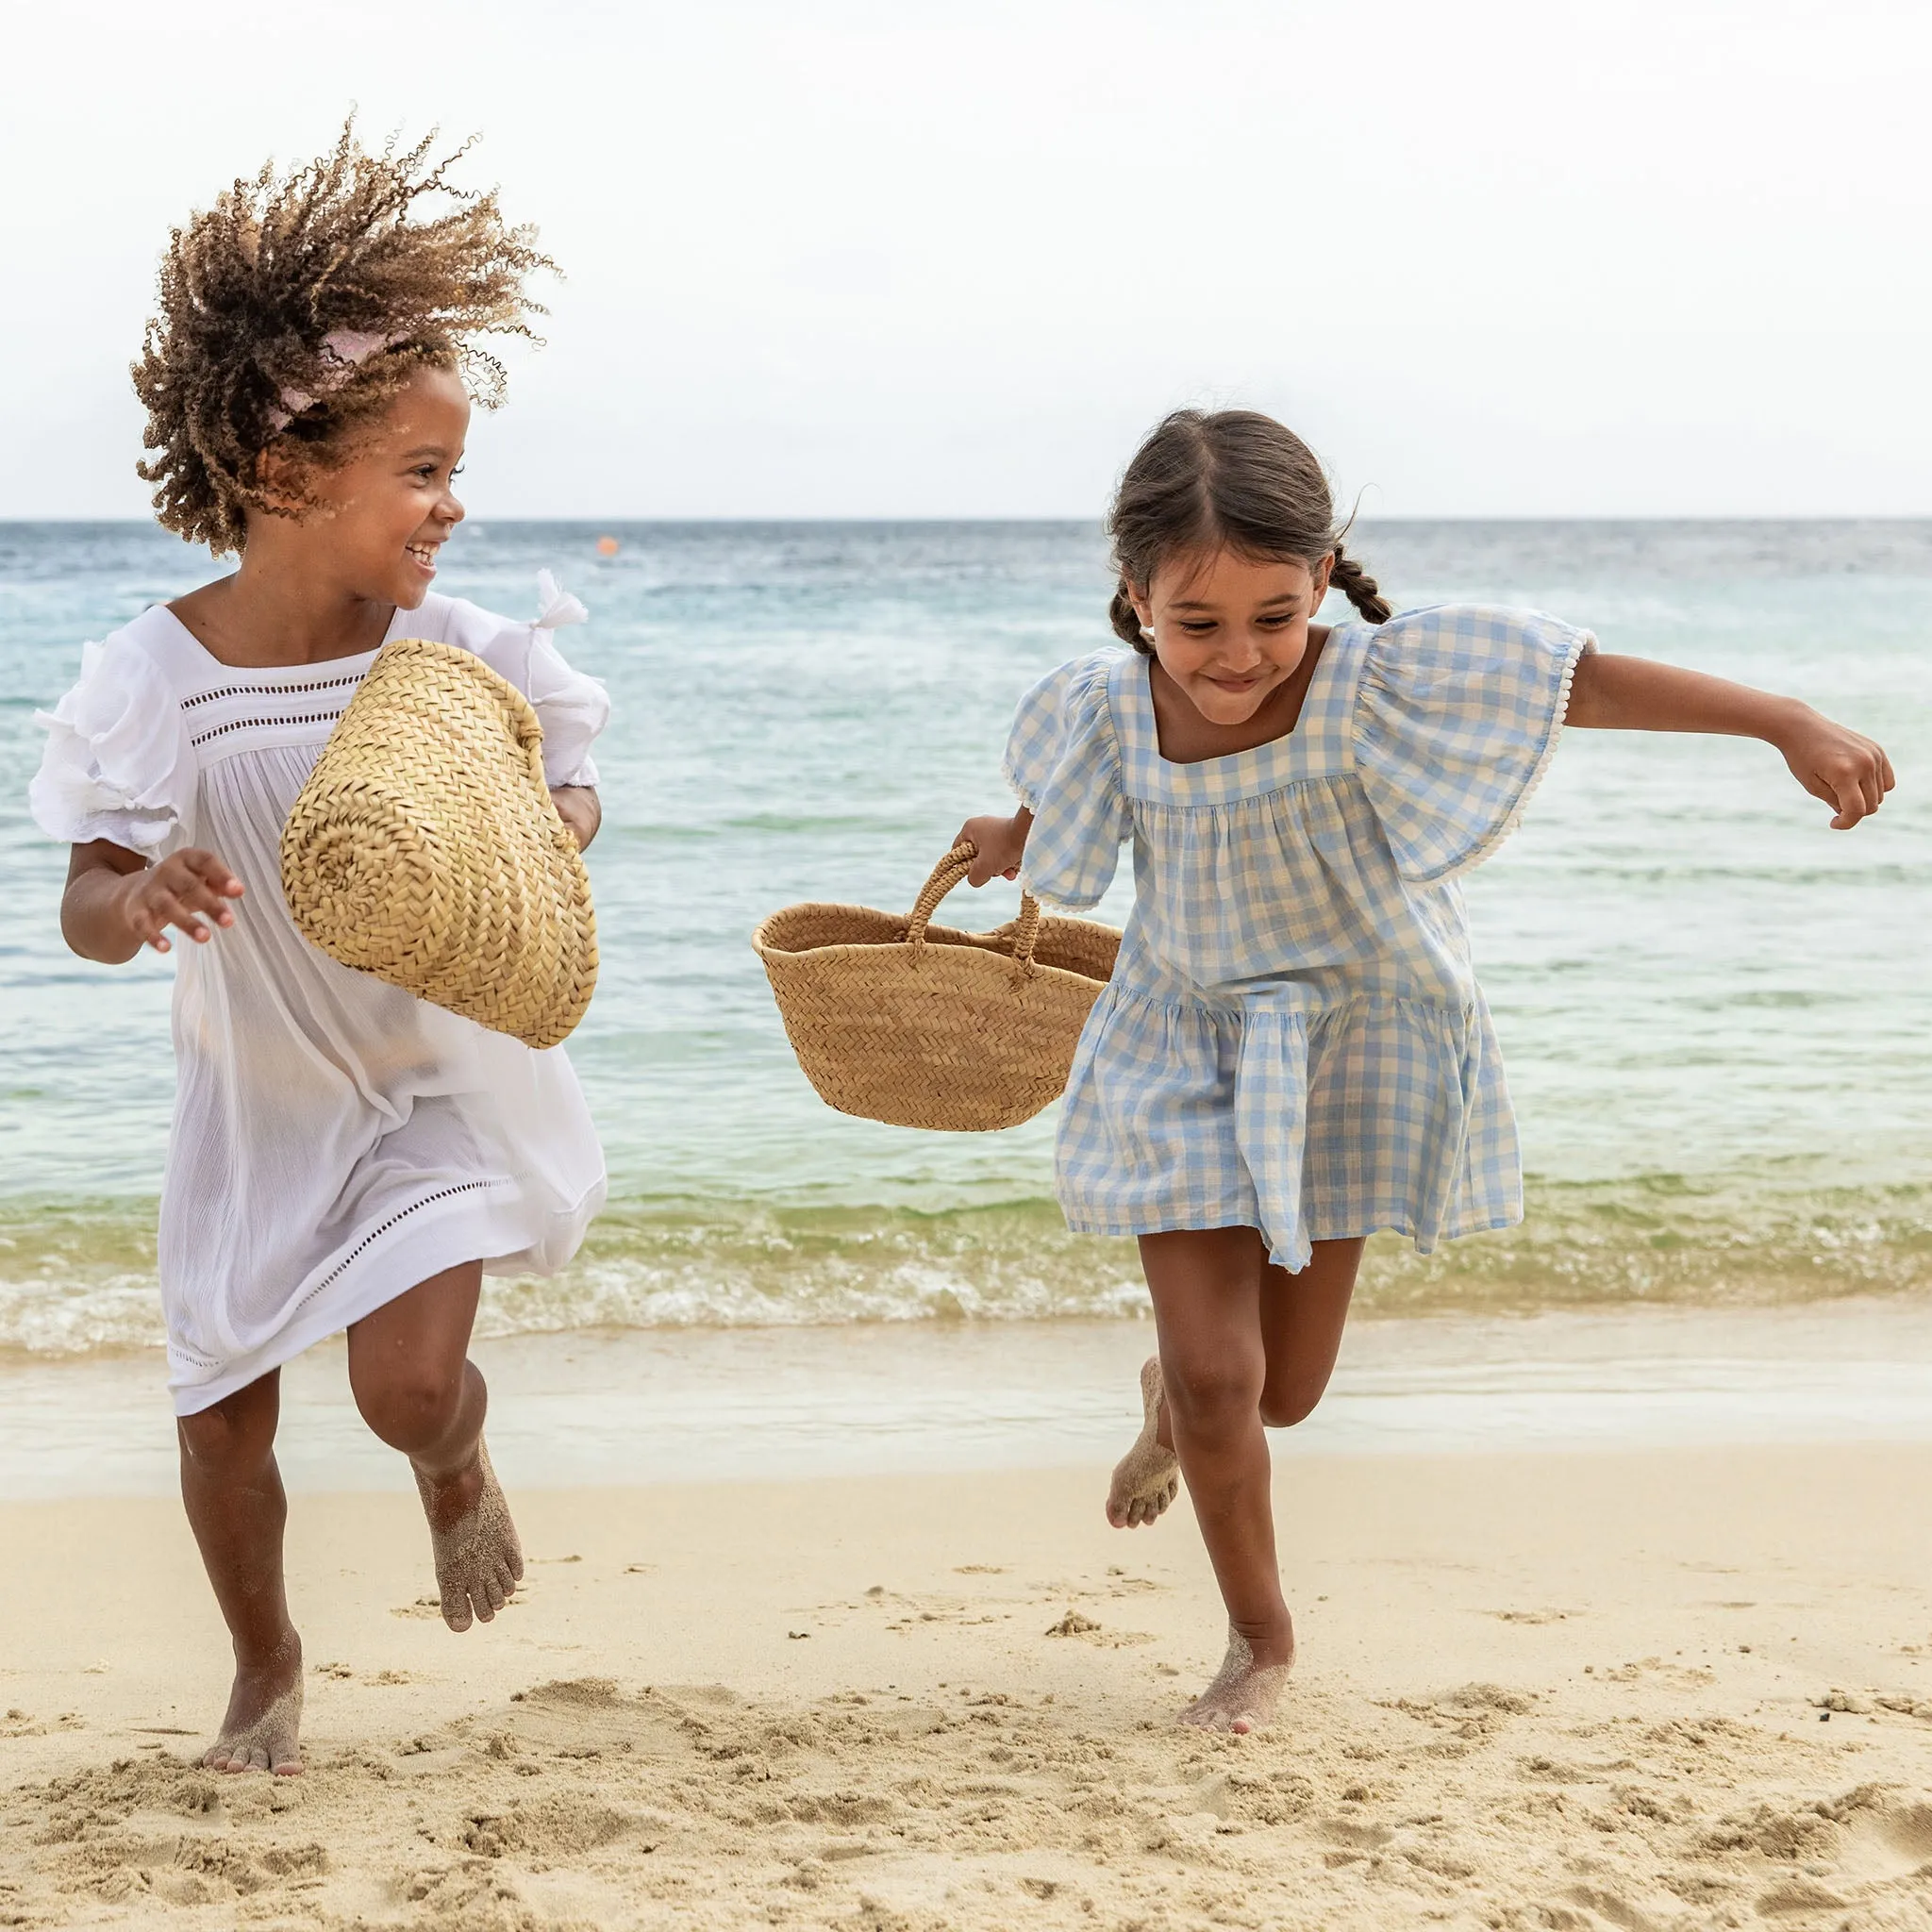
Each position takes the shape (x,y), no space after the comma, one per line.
(251,290)
(1233,479)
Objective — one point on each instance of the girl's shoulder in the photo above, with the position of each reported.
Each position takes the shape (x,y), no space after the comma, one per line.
(1438,638)
(1064,727)
(1080,687)
(1455,719)
(520,649)
(118,763)
(454,621)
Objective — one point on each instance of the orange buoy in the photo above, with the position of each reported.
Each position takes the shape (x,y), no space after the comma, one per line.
(607,546)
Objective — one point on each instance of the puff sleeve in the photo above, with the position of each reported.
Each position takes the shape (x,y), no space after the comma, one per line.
(117,764)
(572,708)
(1457,717)
(1063,760)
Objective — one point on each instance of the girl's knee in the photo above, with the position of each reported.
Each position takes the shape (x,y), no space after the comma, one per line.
(1210,1391)
(410,1405)
(233,1435)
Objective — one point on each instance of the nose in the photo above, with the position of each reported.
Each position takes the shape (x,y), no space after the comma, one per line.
(450,511)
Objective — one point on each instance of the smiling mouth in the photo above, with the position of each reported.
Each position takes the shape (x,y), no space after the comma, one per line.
(424,554)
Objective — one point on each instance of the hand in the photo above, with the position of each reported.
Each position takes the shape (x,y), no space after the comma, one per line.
(580,809)
(185,887)
(1850,773)
(1002,843)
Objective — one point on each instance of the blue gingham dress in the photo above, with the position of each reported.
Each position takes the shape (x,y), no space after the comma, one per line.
(1293,1039)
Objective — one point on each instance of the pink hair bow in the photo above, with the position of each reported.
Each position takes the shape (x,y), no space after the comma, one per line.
(345,348)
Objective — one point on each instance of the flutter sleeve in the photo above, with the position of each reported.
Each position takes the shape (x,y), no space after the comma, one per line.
(1063,760)
(1456,718)
(572,708)
(117,764)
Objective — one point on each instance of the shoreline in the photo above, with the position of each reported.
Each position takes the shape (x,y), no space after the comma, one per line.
(1579,1689)
(604,1407)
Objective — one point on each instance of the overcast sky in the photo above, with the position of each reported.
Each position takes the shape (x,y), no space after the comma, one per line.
(1650,257)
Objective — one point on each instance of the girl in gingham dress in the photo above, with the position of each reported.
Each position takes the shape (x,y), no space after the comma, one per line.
(1293,1050)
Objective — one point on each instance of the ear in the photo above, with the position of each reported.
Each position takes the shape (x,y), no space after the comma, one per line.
(1322,571)
(274,481)
(1144,609)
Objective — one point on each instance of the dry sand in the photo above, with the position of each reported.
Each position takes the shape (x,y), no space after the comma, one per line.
(1553,1692)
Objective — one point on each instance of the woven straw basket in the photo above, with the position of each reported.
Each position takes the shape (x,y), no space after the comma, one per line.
(921,1025)
(424,848)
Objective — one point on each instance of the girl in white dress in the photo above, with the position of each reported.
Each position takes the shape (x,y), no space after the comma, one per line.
(1293,1050)
(343,1156)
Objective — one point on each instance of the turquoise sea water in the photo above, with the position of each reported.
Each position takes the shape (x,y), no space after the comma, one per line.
(1713,1008)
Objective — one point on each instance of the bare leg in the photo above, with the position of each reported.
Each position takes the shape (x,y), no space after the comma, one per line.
(418,1391)
(233,1494)
(1241,1342)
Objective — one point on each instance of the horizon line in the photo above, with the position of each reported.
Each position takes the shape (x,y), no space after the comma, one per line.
(1655,519)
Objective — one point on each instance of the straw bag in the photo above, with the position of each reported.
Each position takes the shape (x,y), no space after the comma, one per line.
(424,848)
(921,1025)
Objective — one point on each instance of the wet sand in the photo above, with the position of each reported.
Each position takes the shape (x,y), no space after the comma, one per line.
(1582,1690)
(616,1406)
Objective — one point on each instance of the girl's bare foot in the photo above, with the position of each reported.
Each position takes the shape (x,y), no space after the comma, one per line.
(1147,1478)
(263,1726)
(1242,1697)
(479,1562)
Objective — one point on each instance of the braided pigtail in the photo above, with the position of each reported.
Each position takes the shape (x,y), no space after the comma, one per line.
(1127,622)
(1358,587)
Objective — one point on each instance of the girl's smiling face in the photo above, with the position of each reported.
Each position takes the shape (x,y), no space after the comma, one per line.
(1230,631)
(382,515)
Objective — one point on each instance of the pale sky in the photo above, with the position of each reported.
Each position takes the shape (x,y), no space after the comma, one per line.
(1501,257)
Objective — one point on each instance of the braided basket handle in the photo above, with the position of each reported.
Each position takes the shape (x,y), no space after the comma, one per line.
(946,875)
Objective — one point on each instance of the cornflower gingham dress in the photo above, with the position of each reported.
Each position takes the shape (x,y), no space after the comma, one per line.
(1293,1039)
(335,1141)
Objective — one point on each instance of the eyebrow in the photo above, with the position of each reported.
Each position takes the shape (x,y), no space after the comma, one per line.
(427,449)
(1267,602)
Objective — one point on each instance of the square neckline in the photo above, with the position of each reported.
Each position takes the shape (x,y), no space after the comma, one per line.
(1317,747)
(278,671)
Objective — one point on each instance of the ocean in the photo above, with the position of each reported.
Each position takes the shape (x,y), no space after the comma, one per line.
(1713,1008)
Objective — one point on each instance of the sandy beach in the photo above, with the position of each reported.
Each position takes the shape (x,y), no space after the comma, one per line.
(1668,1689)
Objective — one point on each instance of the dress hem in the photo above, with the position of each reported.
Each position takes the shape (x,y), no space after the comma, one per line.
(1154,1222)
(491,1235)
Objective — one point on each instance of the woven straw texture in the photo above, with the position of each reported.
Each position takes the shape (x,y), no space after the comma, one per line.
(921,1025)
(424,848)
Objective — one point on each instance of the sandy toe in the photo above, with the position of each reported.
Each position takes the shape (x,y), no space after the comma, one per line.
(478,1558)
(1243,1695)
(262,1728)
(1147,1478)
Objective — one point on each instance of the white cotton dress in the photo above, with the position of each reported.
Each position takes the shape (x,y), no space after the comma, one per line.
(335,1141)
(1293,1039)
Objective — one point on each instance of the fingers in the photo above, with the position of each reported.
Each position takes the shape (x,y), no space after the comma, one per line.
(210,872)
(169,908)
(1855,794)
(1849,772)
(185,888)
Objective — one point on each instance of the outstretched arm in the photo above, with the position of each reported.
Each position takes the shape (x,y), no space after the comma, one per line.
(1848,771)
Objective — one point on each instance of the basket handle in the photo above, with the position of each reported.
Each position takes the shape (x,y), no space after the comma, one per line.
(946,875)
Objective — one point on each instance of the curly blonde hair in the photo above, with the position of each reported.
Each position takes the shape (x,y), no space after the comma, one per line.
(257,294)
